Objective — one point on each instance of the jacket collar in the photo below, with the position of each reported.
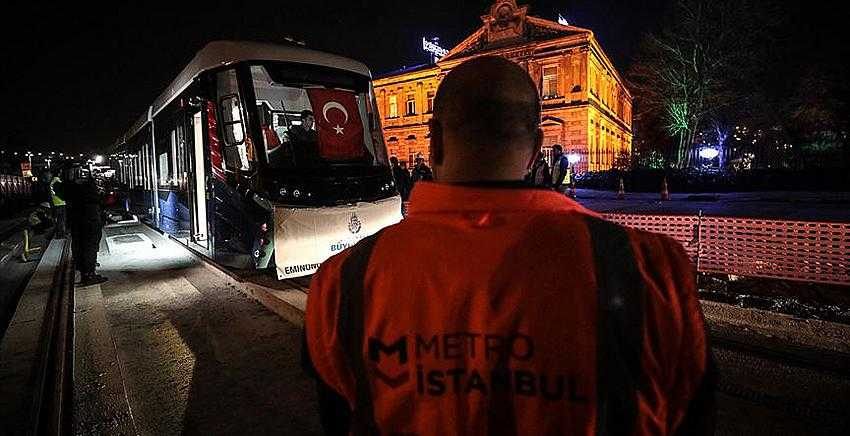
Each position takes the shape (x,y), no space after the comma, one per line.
(433,197)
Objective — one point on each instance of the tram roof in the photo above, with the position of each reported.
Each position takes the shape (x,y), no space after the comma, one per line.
(221,53)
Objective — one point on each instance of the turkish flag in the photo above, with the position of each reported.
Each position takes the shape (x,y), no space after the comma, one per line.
(340,130)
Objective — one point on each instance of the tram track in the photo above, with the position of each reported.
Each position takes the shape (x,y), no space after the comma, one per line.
(786,381)
(823,361)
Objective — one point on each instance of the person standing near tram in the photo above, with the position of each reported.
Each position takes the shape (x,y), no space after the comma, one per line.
(56,188)
(560,169)
(421,171)
(401,177)
(86,202)
(540,174)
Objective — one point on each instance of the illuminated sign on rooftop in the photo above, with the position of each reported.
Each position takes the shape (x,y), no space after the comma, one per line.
(431,47)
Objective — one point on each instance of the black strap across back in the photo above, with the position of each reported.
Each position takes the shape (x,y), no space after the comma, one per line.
(620,297)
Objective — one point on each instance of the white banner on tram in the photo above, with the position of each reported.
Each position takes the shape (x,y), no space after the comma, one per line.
(306,237)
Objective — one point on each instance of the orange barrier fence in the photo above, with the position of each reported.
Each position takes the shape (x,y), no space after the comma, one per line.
(790,250)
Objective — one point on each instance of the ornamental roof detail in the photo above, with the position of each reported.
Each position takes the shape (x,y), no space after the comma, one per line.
(507,24)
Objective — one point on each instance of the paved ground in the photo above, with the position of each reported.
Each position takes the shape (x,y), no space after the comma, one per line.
(763,396)
(779,375)
(169,346)
(806,206)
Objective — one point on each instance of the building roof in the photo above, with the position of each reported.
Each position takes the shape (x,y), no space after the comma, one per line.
(508,24)
(221,53)
(403,70)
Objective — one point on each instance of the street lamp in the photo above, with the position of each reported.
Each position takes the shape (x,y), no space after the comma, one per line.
(98,159)
(708,153)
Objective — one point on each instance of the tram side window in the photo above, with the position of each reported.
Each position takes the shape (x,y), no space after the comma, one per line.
(164,173)
(181,162)
(127,171)
(237,148)
(234,131)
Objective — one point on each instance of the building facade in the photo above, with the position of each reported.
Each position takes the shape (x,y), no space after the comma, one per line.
(586,106)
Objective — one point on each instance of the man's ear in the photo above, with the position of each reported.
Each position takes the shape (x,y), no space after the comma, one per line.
(537,145)
(436,142)
(538,141)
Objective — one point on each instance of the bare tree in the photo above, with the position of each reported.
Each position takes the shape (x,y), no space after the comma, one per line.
(691,71)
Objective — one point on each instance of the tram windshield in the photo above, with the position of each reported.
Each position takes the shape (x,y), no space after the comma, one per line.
(313,117)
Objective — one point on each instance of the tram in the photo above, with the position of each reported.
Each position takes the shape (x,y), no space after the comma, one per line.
(260,155)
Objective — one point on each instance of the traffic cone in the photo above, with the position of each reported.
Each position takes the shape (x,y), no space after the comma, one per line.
(621,194)
(665,193)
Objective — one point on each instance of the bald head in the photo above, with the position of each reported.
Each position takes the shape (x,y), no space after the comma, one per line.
(485,124)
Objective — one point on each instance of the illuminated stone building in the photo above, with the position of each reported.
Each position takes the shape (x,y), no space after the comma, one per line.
(586,106)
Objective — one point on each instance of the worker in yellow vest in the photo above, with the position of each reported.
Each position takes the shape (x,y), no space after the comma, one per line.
(57,203)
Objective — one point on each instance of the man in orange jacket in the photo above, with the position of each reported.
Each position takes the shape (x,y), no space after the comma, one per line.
(519,311)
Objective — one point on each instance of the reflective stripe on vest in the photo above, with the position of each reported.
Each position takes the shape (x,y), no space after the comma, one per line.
(619,330)
(351,328)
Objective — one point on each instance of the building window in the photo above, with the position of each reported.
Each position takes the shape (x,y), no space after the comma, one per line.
(411,105)
(550,82)
(430,101)
(393,109)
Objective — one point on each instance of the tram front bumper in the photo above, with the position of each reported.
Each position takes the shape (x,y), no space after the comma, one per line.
(306,237)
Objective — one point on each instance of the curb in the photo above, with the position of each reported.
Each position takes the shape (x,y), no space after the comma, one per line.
(801,332)
(805,343)
(290,304)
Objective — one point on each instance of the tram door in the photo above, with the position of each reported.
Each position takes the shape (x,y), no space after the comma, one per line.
(198,184)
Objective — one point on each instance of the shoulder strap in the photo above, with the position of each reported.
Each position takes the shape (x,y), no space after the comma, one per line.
(619,333)
(351,328)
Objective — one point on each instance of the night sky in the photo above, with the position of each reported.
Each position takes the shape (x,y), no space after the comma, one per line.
(75,76)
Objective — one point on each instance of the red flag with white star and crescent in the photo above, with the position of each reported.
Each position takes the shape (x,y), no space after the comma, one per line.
(340,130)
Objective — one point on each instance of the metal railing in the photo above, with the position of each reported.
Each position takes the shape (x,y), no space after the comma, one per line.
(808,251)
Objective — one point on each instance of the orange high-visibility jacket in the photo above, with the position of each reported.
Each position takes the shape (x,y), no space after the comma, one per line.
(501,310)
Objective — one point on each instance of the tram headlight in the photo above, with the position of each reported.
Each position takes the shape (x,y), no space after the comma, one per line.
(296,193)
(283,192)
